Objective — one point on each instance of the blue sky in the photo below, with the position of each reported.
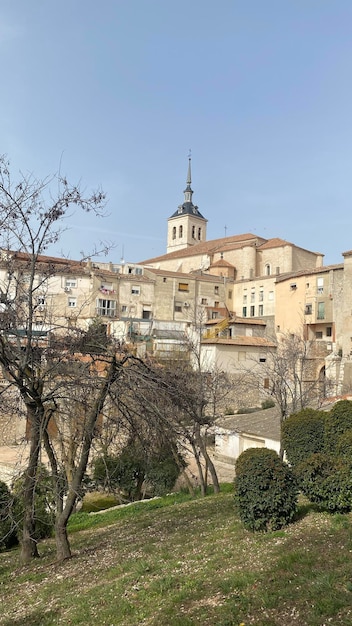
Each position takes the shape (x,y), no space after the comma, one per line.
(117,92)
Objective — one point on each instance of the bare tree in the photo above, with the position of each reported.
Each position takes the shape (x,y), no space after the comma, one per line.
(289,375)
(32,214)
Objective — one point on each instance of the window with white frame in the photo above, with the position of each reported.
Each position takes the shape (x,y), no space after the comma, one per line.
(135,290)
(72,303)
(106,308)
(320,285)
(70,283)
(271,296)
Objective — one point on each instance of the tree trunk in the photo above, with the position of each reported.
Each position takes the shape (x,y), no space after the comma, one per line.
(63,548)
(209,463)
(29,548)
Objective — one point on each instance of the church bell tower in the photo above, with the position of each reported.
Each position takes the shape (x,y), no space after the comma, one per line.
(187,226)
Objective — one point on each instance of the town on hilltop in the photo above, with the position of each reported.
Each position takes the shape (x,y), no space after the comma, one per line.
(235,297)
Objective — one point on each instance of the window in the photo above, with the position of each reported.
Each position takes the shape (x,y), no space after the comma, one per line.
(277,271)
(229,295)
(41,301)
(164,279)
(70,283)
(183,287)
(271,296)
(178,307)
(252,296)
(266,383)
(193,232)
(262,359)
(261,295)
(308,309)
(216,304)
(320,285)
(180,231)
(244,311)
(321,310)
(72,303)
(319,334)
(139,271)
(106,307)
(293,286)
(214,315)
(130,270)
(267,269)
(174,232)
(146,314)
(261,310)
(252,311)
(106,288)
(245,299)
(124,308)
(136,290)
(329,331)
(204,301)
(216,290)
(199,234)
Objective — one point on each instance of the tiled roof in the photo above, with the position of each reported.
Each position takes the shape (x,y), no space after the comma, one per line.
(206,247)
(260,342)
(222,263)
(186,276)
(308,272)
(276,242)
(264,423)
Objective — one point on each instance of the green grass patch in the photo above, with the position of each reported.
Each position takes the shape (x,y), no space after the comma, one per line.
(177,561)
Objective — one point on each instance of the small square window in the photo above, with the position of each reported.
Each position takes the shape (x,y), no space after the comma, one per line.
(72,302)
(136,290)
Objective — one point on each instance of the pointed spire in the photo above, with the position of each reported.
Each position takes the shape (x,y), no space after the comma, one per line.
(188,191)
(189,177)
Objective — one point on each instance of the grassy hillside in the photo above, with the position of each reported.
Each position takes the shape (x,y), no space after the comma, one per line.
(181,562)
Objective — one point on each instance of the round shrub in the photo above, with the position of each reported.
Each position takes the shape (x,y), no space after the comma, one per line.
(327,480)
(265,490)
(344,445)
(8,537)
(338,421)
(303,434)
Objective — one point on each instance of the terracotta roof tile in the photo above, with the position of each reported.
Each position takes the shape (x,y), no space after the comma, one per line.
(206,247)
(260,342)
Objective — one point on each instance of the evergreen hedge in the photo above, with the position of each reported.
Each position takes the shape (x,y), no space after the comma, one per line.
(303,434)
(327,480)
(338,422)
(265,490)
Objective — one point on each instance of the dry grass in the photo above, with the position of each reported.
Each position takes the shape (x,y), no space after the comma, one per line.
(186,563)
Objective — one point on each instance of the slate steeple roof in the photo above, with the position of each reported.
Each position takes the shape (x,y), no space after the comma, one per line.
(188,208)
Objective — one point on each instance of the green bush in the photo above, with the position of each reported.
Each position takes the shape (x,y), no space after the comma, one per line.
(303,435)
(344,445)
(8,537)
(137,469)
(338,421)
(97,501)
(265,490)
(327,480)
(268,403)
